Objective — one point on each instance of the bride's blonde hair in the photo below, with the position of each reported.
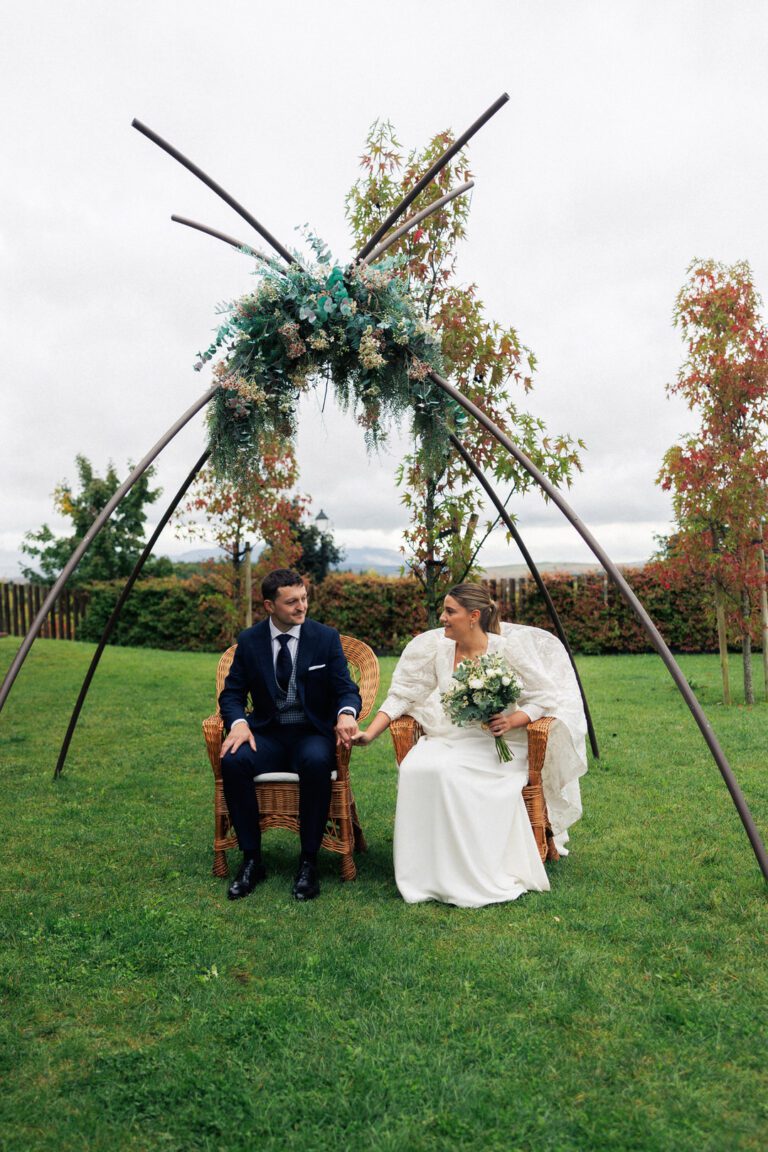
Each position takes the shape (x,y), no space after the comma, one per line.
(477,597)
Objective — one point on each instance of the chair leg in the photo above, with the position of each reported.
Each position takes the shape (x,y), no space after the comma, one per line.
(348,868)
(220,866)
(552,852)
(361,844)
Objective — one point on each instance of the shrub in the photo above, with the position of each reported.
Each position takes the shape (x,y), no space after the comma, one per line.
(192,615)
(384,611)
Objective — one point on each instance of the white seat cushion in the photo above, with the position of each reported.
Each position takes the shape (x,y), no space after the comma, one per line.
(281,778)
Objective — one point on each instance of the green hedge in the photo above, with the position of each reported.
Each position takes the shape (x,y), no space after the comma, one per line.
(193,615)
(196,614)
(596,619)
(384,611)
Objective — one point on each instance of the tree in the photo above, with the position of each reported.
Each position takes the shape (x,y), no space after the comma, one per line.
(319,551)
(115,550)
(717,476)
(446,527)
(260,505)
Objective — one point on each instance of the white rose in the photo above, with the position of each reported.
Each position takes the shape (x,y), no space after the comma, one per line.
(505,680)
(475,682)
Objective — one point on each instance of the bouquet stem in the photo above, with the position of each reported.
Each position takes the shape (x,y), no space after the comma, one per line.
(503,750)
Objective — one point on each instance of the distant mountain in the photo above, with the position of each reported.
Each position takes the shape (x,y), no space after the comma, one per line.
(385,561)
(572,568)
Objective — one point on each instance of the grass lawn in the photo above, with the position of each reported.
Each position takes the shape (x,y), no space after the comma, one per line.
(625,1009)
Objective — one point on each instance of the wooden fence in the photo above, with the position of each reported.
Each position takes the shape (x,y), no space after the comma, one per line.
(20,603)
(511,594)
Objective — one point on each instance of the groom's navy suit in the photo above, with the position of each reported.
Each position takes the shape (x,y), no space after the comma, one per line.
(293,734)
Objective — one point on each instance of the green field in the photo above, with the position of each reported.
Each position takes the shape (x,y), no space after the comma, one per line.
(625,1009)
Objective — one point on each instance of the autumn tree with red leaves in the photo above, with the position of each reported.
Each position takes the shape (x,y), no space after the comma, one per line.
(718,475)
(486,360)
(259,507)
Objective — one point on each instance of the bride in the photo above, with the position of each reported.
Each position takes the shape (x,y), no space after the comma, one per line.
(462,834)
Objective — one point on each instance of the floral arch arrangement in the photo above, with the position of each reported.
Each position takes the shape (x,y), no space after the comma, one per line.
(354,326)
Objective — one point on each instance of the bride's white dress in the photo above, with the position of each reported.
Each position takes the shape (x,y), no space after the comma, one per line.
(462,834)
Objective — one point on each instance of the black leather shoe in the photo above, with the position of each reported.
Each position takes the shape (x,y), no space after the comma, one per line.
(251,873)
(306,886)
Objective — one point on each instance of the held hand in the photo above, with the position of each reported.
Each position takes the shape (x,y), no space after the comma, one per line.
(362,740)
(504,722)
(346,730)
(239,734)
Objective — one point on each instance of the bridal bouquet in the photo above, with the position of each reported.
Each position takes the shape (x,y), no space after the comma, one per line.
(483,688)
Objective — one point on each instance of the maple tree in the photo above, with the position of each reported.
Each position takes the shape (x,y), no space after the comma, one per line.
(259,504)
(448,524)
(717,476)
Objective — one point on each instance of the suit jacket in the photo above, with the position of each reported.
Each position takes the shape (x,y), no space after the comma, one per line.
(323,682)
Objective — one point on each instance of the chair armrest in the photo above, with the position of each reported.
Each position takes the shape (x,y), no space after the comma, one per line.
(342,762)
(405,732)
(538,734)
(213,730)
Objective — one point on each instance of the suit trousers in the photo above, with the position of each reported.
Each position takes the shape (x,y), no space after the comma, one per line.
(298,748)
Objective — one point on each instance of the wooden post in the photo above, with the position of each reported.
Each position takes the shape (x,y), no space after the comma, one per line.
(248,593)
(30,607)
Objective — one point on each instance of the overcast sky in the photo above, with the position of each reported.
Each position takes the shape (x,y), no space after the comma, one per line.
(633,142)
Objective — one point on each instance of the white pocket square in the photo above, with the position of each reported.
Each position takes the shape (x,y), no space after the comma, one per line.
(314,667)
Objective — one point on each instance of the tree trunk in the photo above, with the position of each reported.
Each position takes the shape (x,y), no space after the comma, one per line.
(746,646)
(722,643)
(431,566)
(764,614)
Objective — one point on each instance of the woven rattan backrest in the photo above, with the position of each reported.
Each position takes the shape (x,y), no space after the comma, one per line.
(225,663)
(363,668)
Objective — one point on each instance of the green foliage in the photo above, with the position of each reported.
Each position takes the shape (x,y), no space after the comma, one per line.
(384,611)
(117,547)
(319,551)
(596,619)
(143,1011)
(195,614)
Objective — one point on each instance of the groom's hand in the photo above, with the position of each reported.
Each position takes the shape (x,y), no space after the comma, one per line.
(239,734)
(346,730)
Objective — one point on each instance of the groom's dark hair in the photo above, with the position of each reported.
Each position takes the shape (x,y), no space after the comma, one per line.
(280,578)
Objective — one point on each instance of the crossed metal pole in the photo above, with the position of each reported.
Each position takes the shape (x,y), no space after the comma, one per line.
(374,248)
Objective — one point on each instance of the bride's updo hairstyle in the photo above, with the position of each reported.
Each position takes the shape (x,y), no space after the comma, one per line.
(477,596)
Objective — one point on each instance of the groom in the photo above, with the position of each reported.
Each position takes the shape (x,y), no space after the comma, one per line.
(304,704)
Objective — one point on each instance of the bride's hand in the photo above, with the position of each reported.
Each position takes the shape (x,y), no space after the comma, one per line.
(505,721)
(362,740)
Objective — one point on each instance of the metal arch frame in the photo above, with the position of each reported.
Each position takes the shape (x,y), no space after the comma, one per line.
(90,536)
(553,614)
(607,564)
(115,614)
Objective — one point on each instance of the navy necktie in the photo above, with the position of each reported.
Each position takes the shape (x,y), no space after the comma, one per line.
(283,664)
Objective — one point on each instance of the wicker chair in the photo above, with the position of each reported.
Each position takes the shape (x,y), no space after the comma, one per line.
(279,793)
(406,731)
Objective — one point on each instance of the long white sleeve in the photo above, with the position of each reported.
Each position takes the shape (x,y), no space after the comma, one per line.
(415,676)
